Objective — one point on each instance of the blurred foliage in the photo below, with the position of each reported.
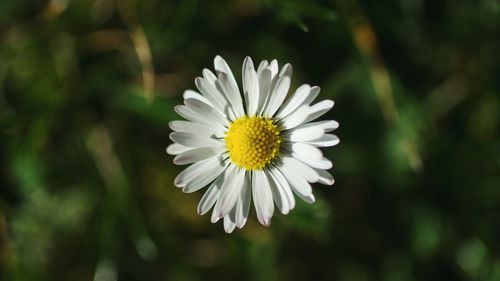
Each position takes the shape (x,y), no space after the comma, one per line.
(87,89)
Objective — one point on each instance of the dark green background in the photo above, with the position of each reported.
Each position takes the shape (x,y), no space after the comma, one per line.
(86,188)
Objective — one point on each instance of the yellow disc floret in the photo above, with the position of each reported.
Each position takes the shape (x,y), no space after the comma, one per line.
(253,142)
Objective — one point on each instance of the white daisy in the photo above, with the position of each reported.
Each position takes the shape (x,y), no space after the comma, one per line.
(258,145)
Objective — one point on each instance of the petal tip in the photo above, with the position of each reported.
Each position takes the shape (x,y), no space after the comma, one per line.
(178,183)
(214,218)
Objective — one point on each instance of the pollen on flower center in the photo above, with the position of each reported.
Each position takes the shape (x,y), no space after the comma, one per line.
(253,142)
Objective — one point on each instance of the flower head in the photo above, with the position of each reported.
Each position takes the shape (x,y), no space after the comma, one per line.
(258,145)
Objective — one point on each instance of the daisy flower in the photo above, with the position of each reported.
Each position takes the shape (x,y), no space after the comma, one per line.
(258,145)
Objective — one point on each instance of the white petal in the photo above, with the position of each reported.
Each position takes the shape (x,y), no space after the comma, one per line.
(279,195)
(243,205)
(299,185)
(229,84)
(287,70)
(318,109)
(229,223)
(176,148)
(264,88)
(282,183)
(325,141)
(192,115)
(196,128)
(230,192)
(322,163)
(325,177)
(221,65)
(262,197)
(327,125)
(273,66)
(300,100)
(307,150)
(215,97)
(297,117)
(192,140)
(301,169)
(229,175)
(210,197)
(190,94)
(262,65)
(306,134)
(277,96)
(207,111)
(294,101)
(313,94)
(196,170)
(197,154)
(232,95)
(204,179)
(250,86)
(214,217)
(209,76)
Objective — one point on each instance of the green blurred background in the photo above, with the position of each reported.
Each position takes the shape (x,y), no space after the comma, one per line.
(87,89)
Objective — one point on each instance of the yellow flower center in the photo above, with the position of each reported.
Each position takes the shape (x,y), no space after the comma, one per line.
(253,142)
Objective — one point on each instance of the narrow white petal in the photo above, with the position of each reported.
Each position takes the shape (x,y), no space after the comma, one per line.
(325,177)
(273,66)
(294,101)
(325,141)
(299,185)
(209,76)
(192,140)
(229,176)
(279,195)
(204,179)
(250,86)
(287,70)
(318,109)
(197,154)
(215,97)
(214,217)
(277,96)
(230,221)
(262,65)
(210,197)
(322,163)
(262,197)
(285,187)
(300,100)
(306,150)
(230,192)
(190,94)
(232,94)
(197,169)
(243,205)
(192,115)
(313,94)
(297,117)
(221,65)
(264,88)
(207,111)
(273,97)
(176,148)
(197,128)
(306,134)
(229,84)
(301,169)
(327,125)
